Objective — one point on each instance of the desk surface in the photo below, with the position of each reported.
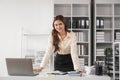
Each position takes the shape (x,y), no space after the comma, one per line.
(55,77)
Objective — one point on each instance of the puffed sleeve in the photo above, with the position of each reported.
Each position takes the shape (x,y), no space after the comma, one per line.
(48,53)
(74,53)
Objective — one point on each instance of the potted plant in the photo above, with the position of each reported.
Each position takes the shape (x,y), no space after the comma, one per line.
(108,51)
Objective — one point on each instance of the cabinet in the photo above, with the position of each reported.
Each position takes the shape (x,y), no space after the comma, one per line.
(77,14)
(106,32)
(116,59)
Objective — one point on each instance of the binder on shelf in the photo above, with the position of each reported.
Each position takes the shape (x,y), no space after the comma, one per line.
(74,24)
(97,23)
(81,49)
(101,23)
(81,39)
(86,23)
(68,20)
(69,24)
(83,23)
(79,23)
(78,46)
(77,34)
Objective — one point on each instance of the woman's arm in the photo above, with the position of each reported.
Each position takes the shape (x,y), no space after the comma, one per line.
(48,54)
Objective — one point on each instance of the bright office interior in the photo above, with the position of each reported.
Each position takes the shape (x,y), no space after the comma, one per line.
(27,19)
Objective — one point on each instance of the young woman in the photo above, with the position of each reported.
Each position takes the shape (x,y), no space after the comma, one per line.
(62,44)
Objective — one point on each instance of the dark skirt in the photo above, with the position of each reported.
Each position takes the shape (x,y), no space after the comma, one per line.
(63,62)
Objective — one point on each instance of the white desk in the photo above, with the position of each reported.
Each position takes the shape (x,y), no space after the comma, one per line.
(55,77)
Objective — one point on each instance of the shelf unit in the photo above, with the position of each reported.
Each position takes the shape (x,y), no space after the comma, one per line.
(116,56)
(77,14)
(103,29)
(31,45)
(109,61)
(116,59)
(106,31)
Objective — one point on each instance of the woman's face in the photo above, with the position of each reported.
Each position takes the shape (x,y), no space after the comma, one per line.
(59,26)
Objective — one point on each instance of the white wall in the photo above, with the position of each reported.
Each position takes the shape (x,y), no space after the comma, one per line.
(35,15)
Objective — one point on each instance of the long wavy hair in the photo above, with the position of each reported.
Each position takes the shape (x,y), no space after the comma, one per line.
(56,39)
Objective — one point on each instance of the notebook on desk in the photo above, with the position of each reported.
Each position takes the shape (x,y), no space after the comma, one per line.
(20,67)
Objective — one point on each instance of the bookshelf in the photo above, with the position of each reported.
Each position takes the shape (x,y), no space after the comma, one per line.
(116,56)
(116,59)
(106,33)
(77,14)
(103,30)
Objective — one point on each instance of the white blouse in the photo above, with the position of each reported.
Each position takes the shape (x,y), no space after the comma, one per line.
(67,46)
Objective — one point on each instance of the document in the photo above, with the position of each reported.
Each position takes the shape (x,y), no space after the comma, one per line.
(57,73)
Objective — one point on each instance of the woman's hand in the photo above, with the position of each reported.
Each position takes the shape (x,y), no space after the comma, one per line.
(80,70)
(38,69)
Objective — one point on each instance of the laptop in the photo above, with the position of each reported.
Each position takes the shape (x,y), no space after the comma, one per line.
(20,67)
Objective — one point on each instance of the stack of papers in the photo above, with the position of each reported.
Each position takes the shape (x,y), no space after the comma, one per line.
(57,73)
(73,73)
